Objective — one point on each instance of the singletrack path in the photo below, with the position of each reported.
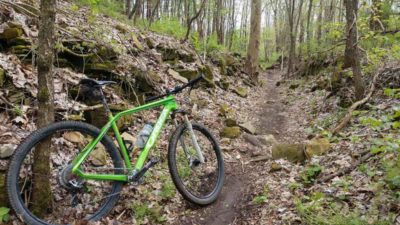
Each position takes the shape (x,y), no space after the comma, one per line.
(265,109)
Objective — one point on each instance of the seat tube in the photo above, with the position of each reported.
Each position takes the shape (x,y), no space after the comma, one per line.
(104,102)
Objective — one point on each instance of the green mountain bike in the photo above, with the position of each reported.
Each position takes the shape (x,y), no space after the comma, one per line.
(88,171)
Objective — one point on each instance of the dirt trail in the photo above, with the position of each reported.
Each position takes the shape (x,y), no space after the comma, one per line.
(270,119)
(271,116)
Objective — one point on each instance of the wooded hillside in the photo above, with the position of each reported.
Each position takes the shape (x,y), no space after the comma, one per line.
(302,96)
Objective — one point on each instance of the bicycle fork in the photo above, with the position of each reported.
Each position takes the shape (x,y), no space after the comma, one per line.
(193,139)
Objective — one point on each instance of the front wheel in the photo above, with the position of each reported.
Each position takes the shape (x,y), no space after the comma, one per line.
(199,183)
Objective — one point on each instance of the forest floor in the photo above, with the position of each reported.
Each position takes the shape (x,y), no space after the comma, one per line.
(268,109)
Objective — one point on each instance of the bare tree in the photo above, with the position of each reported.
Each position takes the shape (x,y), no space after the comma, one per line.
(253,48)
(190,20)
(352,56)
(128,6)
(45,58)
(293,22)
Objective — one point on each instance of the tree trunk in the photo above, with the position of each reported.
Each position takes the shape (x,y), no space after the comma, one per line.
(190,20)
(128,6)
(252,61)
(232,24)
(309,32)
(352,57)
(41,196)
(293,25)
(319,23)
(276,27)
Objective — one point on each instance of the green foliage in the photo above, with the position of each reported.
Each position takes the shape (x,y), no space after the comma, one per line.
(294,185)
(167,190)
(309,174)
(272,60)
(4,214)
(393,93)
(111,8)
(321,210)
(152,211)
(262,198)
(212,44)
(168,26)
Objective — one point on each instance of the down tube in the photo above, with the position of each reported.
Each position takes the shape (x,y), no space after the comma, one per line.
(154,135)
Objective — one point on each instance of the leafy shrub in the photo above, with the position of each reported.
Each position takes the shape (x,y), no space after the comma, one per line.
(309,174)
(4,216)
(169,26)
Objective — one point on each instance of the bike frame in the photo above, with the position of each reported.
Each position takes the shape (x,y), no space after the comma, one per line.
(169,104)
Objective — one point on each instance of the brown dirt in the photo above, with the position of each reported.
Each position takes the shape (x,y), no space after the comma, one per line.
(233,206)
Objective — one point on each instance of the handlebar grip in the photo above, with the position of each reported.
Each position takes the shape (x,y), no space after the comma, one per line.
(150,99)
(177,89)
(195,80)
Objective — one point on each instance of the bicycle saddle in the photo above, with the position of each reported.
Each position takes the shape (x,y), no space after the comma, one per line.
(96,83)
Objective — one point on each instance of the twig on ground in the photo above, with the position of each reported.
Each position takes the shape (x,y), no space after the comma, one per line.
(364,157)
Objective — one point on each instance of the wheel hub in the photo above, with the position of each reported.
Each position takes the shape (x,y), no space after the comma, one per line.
(69,180)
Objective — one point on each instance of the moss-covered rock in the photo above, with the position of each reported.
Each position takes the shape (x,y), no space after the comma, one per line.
(2,77)
(177,76)
(224,84)
(275,167)
(107,66)
(207,71)
(230,132)
(150,42)
(222,64)
(317,146)
(121,28)
(226,111)
(186,56)
(145,81)
(136,42)
(168,54)
(291,152)
(230,122)
(11,33)
(171,53)
(20,49)
(248,127)
(188,73)
(241,91)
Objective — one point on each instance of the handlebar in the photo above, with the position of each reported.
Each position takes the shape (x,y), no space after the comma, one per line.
(177,89)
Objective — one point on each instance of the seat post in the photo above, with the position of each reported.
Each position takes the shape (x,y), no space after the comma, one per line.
(104,102)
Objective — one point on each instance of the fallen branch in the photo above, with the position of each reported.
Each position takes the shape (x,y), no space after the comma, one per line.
(260,158)
(3,99)
(365,156)
(69,51)
(357,104)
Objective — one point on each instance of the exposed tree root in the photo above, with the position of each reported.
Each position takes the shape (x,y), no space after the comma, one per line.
(357,104)
(346,119)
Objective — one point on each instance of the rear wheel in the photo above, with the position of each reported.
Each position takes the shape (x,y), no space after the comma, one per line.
(71,197)
(199,183)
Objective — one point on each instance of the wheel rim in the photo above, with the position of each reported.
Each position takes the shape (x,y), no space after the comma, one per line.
(199,179)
